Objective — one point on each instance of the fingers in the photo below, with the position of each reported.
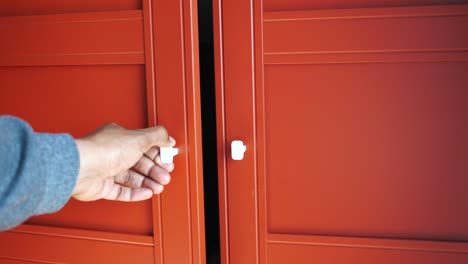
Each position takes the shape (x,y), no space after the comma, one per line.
(156,136)
(126,194)
(133,179)
(152,154)
(147,167)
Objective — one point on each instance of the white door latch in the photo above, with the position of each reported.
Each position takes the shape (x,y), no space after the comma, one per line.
(237,150)
(167,154)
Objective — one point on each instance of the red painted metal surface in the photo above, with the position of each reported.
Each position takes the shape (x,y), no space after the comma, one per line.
(37,244)
(48,7)
(72,39)
(395,142)
(70,98)
(355,122)
(282,5)
(177,106)
(76,66)
(238,193)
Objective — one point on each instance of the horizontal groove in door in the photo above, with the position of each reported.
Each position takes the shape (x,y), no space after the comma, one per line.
(363,13)
(7,260)
(50,245)
(44,7)
(111,237)
(305,254)
(281,5)
(365,57)
(408,29)
(377,243)
(72,39)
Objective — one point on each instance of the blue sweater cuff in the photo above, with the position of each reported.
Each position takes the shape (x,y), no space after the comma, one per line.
(60,158)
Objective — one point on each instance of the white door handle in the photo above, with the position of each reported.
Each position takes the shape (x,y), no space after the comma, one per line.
(167,154)
(237,150)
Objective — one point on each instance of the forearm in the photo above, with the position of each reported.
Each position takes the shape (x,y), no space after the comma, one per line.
(38,171)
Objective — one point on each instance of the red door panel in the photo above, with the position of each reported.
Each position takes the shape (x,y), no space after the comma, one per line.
(71,98)
(356,252)
(74,66)
(355,122)
(389,157)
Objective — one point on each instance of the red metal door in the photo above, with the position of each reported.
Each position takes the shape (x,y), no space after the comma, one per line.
(72,66)
(355,118)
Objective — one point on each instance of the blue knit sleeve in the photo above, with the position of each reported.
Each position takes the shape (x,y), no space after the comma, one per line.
(37,171)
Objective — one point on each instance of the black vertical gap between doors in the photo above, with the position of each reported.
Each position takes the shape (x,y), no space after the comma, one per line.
(208,109)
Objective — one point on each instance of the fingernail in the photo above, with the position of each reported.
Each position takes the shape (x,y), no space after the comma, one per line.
(169,167)
(159,189)
(147,193)
(166,180)
(172,140)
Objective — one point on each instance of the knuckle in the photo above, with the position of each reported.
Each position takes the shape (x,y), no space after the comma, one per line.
(162,131)
(112,126)
(152,137)
(119,193)
(129,177)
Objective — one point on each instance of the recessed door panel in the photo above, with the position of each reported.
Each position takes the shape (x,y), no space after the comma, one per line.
(381,145)
(78,99)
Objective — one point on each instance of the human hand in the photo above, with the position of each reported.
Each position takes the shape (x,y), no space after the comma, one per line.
(121,164)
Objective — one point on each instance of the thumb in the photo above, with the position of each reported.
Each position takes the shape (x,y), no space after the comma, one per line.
(156,136)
